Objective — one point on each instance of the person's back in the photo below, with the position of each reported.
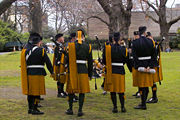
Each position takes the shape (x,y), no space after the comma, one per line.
(118,55)
(143,52)
(82,53)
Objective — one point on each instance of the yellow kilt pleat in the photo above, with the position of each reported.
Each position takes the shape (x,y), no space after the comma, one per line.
(83,84)
(118,84)
(36,85)
(144,79)
(62,78)
(135,77)
(156,76)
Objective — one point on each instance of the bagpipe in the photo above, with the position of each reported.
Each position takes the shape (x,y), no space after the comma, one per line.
(61,49)
(159,57)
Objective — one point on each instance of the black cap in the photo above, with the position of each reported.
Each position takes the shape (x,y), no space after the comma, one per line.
(110,38)
(148,34)
(72,35)
(116,36)
(58,36)
(136,32)
(142,29)
(34,38)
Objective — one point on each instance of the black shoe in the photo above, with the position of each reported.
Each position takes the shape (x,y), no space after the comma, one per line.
(39,106)
(61,95)
(36,112)
(74,100)
(30,111)
(123,109)
(80,113)
(138,95)
(41,98)
(65,93)
(76,97)
(115,110)
(140,106)
(135,94)
(104,92)
(152,100)
(69,112)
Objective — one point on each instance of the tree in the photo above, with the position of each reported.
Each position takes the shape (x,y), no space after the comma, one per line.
(4,5)
(159,7)
(119,13)
(35,16)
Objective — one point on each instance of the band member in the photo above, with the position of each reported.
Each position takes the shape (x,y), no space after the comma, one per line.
(33,72)
(134,71)
(29,45)
(79,54)
(114,58)
(59,65)
(144,63)
(158,75)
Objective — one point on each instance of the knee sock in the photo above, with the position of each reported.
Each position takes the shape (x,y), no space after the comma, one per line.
(62,87)
(154,91)
(59,87)
(81,101)
(143,96)
(147,91)
(70,100)
(114,99)
(121,98)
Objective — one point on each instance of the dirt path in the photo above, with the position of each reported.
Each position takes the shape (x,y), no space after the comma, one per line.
(16,93)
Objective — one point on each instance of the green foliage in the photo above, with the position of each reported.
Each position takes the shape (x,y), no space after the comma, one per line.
(7,34)
(175,41)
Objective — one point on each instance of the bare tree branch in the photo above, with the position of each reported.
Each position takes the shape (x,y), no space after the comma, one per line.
(174,21)
(152,6)
(105,5)
(4,5)
(99,19)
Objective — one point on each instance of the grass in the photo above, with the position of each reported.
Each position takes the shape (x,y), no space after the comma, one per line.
(97,106)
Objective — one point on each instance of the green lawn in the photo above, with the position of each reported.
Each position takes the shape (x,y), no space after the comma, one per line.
(13,105)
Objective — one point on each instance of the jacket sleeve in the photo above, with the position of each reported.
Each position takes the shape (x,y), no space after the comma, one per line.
(153,62)
(48,63)
(90,62)
(127,60)
(134,54)
(103,56)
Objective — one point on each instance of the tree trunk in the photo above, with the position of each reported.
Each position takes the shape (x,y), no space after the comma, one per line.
(164,30)
(35,16)
(4,5)
(120,24)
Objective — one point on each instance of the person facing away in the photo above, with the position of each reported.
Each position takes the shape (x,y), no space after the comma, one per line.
(33,60)
(80,66)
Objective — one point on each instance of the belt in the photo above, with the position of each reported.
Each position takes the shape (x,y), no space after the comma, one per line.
(117,64)
(81,61)
(144,58)
(35,66)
